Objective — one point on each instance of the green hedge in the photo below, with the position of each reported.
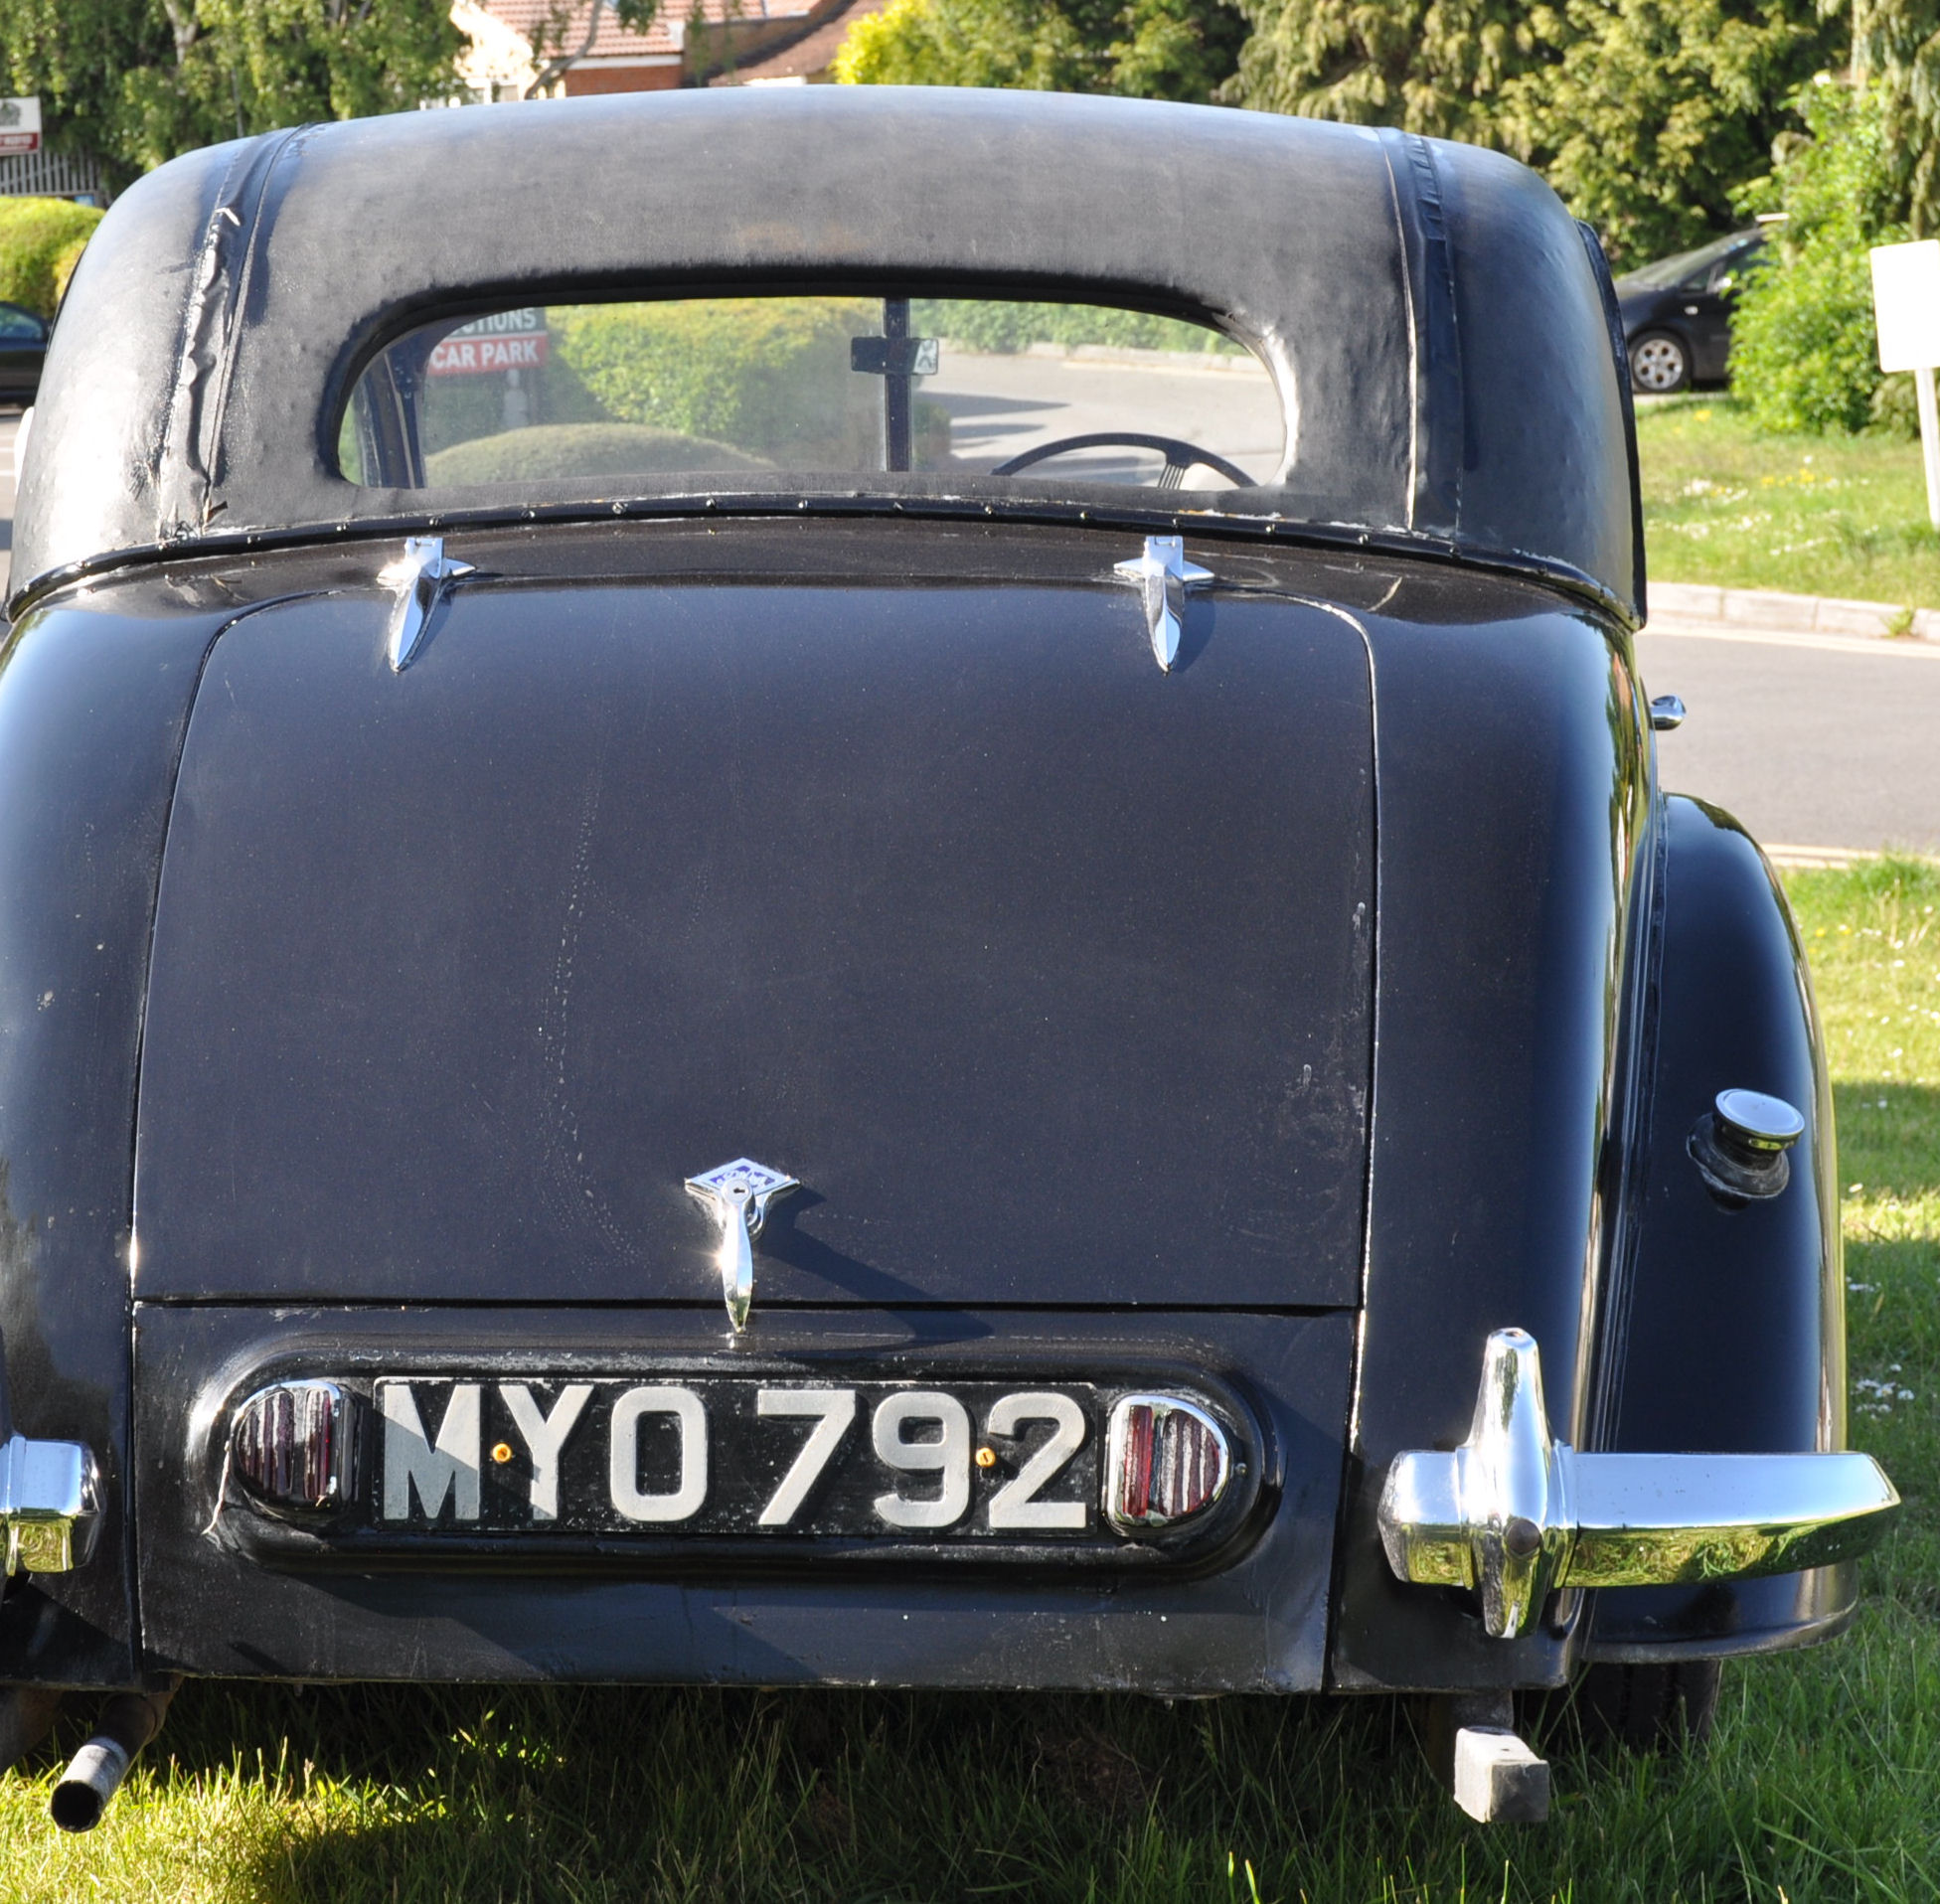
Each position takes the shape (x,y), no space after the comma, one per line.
(989,325)
(41,243)
(769,376)
(559,450)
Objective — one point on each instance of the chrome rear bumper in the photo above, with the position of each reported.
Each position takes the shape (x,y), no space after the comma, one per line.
(1517,1515)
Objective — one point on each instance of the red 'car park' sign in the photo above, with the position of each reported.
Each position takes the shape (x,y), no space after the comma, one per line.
(504,341)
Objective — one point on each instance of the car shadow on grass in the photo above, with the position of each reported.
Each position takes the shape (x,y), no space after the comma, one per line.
(370,1792)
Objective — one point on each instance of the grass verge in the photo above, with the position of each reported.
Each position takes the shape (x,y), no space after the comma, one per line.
(1823,1784)
(1810,515)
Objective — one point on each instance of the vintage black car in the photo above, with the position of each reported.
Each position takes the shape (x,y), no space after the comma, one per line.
(868,888)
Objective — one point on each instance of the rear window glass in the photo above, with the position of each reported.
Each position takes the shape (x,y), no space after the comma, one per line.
(749,392)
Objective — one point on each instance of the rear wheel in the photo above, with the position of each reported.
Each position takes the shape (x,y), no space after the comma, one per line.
(1648,1708)
(1659,363)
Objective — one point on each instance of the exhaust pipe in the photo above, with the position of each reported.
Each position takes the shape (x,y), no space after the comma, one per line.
(128,1722)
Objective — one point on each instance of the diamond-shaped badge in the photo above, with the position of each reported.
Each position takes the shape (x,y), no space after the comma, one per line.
(738,1195)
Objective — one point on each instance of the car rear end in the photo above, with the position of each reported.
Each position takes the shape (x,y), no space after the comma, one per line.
(877,1054)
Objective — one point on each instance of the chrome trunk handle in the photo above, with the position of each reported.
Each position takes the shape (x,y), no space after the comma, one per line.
(738,1195)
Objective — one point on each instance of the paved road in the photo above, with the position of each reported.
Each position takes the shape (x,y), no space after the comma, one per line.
(1000,404)
(1810,740)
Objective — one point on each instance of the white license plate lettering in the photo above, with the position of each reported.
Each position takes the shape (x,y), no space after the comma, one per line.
(831,1410)
(683,1501)
(1015,1507)
(946,1455)
(435,1471)
(708,1457)
(545,1436)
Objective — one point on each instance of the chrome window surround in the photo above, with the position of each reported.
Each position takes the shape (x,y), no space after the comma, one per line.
(1517,1515)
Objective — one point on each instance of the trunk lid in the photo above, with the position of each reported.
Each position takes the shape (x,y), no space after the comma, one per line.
(1048,974)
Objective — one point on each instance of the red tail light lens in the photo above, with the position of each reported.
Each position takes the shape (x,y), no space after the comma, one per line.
(291,1446)
(1166,1460)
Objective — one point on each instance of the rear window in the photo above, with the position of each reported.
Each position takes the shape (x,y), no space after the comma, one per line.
(755,392)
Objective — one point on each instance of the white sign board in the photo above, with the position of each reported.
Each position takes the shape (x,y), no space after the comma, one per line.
(1907,305)
(20,124)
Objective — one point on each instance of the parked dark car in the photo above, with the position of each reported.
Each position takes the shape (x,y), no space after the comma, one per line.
(1676,313)
(23,349)
(693,997)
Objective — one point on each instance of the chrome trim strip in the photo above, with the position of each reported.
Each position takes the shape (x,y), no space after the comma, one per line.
(1516,1514)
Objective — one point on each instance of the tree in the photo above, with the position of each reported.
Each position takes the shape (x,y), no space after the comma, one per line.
(1650,117)
(138,81)
(1896,45)
(73,54)
(560,42)
(1647,115)
(1147,49)
(1436,67)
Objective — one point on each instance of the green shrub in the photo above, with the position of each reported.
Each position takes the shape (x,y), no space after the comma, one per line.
(1804,352)
(1897,405)
(994,325)
(40,241)
(769,376)
(559,450)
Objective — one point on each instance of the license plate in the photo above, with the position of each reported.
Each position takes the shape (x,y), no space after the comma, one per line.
(962,1462)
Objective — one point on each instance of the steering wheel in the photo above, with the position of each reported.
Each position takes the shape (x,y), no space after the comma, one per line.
(1179,456)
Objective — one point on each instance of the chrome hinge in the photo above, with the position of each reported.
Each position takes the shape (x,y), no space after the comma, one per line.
(1518,1515)
(1162,574)
(421,576)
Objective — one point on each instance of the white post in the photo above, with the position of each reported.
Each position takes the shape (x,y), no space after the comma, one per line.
(1929,441)
(1906,313)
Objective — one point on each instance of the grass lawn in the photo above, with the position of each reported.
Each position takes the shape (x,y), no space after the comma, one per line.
(1812,515)
(1822,1784)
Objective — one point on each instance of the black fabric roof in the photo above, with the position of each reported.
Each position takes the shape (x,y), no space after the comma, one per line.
(1435,321)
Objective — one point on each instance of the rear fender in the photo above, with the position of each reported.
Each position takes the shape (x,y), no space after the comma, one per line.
(1727,1334)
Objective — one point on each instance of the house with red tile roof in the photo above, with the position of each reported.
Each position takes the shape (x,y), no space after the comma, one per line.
(515,44)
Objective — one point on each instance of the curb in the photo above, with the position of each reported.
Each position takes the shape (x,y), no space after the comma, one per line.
(1837,859)
(1793,614)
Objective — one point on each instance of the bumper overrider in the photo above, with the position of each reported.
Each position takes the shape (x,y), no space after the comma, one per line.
(1517,1515)
(50,1505)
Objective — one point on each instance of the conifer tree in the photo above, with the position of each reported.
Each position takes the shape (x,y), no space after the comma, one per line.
(1651,116)
(1896,46)
(1427,66)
